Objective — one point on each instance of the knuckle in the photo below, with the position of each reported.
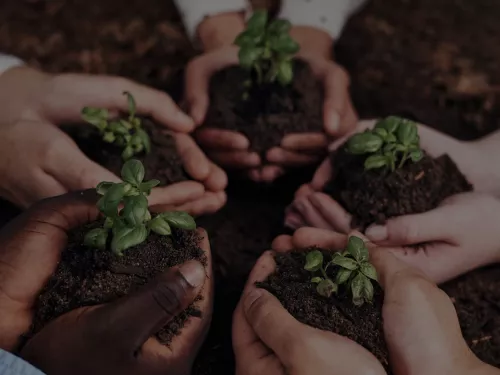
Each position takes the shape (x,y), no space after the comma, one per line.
(407,231)
(170,296)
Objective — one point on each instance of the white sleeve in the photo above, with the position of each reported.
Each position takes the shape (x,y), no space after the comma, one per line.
(7,62)
(194,11)
(329,15)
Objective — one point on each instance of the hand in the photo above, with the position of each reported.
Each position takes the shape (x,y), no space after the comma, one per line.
(313,208)
(421,327)
(268,340)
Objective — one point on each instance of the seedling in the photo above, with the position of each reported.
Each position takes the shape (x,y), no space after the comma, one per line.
(267,49)
(132,224)
(127,134)
(353,269)
(390,144)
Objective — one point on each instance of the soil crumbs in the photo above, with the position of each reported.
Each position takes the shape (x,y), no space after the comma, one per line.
(162,163)
(376,195)
(291,284)
(271,111)
(87,277)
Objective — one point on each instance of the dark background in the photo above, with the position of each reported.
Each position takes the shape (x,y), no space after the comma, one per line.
(434,60)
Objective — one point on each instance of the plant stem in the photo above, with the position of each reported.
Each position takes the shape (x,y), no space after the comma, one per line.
(323,272)
(403,160)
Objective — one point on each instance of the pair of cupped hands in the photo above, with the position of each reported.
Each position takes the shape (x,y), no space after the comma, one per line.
(420,324)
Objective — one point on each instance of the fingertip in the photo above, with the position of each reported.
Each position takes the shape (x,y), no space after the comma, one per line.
(282,243)
(332,120)
(193,273)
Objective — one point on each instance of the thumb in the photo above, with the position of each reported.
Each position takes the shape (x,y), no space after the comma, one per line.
(410,229)
(134,319)
(277,329)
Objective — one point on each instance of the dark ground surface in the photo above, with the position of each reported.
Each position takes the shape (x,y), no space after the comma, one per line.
(436,61)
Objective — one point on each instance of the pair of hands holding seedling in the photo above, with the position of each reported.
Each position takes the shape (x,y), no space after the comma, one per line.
(420,324)
(232,149)
(41,161)
(462,233)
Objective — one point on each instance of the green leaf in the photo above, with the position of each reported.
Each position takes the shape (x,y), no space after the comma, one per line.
(279,26)
(103,187)
(389,147)
(368,270)
(134,210)
(363,143)
(126,237)
(376,161)
(342,276)
(108,204)
(344,262)
(357,248)
(146,141)
(108,137)
(390,124)
(131,103)
(127,153)
(160,226)
(247,40)
(96,238)
(133,172)
(391,138)
(117,127)
(285,73)
(108,223)
(284,44)
(367,291)
(257,22)
(248,56)
(407,132)
(127,125)
(95,116)
(416,156)
(326,288)
(314,261)
(179,219)
(146,187)
(357,287)
(401,148)
(381,132)
(316,280)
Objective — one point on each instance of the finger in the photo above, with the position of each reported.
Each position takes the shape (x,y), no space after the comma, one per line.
(255,174)
(235,159)
(304,191)
(133,319)
(333,213)
(220,139)
(46,186)
(194,160)
(287,158)
(209,203)
(322,175)
(175,195)
(293,219)
(216,180)
(323,238)
(198,75)
(270,173)
(305,142)
(336,100)
(282,243)
(310,214)
(412,229)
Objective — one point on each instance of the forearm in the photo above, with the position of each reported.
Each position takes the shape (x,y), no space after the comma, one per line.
(487,155)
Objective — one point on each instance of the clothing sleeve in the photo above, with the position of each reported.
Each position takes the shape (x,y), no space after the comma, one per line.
(329,15)
(12,365)
(7,62)
(194,11)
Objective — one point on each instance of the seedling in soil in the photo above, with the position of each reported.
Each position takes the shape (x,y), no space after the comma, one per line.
(132,224)
(267,49)
(353,270)
(127,134)
(390,144)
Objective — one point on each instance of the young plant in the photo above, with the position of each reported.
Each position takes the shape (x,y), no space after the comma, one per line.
(132,224)
(127,134)
(267,49)
(390,144)
(353,269)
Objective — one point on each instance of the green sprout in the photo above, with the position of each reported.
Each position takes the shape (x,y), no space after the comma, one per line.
(392,142)
(352,269)
(132,224)
(127,134)
(267,48)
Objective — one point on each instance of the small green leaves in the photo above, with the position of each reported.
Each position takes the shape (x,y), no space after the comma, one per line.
(284,45)
(95,116)
(285,73)
(146,187)
(257,22)
(134,210)
(326,288)
(279,27)
(352,269)
(103,187)
(314,261)
(179,219)
(160,226)
(110,201)
(96,238)
(132,108)
(392,142)
(248,56)
(133,172)
(128,237)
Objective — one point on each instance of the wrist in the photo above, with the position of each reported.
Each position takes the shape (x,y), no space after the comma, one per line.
(482,152)
(221,30)
(313,42)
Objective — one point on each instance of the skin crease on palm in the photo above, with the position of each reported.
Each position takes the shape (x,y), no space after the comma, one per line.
(231,149)
(52,164)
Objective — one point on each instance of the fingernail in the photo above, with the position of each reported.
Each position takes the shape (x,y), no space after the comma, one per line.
(377,233)
(334,122)
(182,117)
(291,223)
(251,297)
(193,272)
